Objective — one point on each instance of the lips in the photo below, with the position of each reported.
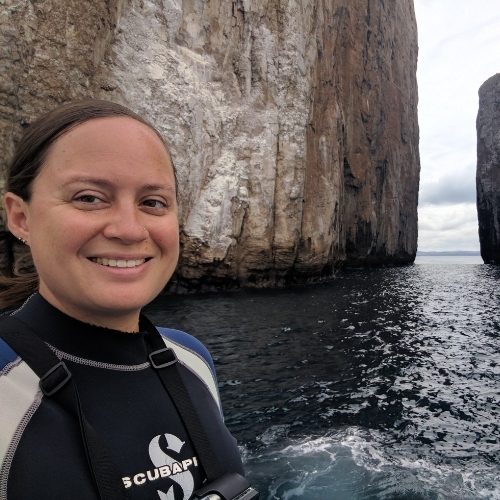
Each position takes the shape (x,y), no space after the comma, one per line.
(118,262)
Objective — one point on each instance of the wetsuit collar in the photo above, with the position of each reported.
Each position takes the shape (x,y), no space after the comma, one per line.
(82,339)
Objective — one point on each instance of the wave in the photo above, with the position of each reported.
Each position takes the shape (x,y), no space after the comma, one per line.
(357,463)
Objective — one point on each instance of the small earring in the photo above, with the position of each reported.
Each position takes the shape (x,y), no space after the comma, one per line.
(23,241)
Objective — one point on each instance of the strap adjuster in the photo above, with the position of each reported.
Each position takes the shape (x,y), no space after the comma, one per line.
(54,379)
(162,358)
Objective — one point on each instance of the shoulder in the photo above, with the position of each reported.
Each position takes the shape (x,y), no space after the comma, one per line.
(20,396)
(7,355)
(194,355)
(15,373)
(186,341)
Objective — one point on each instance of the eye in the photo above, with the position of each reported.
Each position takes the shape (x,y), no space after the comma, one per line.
(89,201)
(155,203)
(88,198)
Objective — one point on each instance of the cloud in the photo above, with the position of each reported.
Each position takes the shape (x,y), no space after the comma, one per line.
(458,51)
(448,227)
(450,188)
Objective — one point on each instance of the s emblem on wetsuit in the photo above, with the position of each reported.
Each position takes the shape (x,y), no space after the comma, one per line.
(166,466)
(160,458)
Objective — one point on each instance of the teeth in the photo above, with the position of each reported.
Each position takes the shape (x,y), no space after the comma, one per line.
(118,262)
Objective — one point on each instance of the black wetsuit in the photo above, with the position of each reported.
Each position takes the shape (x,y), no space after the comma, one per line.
(41,452)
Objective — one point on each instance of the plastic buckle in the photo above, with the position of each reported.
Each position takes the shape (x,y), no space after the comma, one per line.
(170,359)
(51,382)
(230,486)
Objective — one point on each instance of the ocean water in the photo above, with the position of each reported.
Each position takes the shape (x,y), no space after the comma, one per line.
(380,384)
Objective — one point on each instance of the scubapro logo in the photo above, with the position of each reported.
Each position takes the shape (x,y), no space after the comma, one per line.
(166,466)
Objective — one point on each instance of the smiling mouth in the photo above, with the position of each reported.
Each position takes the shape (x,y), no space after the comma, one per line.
(118,262)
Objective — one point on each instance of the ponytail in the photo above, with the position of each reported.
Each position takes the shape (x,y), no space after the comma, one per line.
(22,282)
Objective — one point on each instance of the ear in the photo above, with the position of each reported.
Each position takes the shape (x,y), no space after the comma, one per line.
(17,211)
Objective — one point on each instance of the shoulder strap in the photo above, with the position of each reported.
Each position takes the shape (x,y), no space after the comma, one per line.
(220,483)
(164,361)
(56,382)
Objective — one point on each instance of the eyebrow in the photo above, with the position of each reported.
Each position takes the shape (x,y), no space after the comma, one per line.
(103,183)
(158,187)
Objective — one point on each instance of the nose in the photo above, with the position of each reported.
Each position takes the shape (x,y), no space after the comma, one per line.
(125,224)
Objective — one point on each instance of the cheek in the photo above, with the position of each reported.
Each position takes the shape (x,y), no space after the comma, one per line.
(59,236)
(168,235)
(169,243)
(170,240)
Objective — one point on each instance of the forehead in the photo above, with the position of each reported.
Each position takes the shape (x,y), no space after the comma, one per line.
(107,137)
(108,134)
(111,144)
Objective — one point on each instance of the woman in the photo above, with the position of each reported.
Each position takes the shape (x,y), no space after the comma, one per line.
(92,191)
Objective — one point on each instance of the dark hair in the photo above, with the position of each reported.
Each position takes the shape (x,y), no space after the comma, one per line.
(29,157)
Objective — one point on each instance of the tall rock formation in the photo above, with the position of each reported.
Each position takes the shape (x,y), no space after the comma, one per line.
(293,125)
(488,169)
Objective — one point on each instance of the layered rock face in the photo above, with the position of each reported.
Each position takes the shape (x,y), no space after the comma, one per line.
(293,125)
(488,169)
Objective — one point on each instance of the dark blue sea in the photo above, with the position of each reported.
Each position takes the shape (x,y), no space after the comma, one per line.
(380,384)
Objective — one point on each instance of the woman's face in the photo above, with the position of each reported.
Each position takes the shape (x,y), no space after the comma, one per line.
(102,221)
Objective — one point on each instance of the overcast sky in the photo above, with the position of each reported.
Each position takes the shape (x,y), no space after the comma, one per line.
(459,49)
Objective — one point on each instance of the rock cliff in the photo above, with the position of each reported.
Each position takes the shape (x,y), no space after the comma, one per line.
(488,169)
(293,125)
